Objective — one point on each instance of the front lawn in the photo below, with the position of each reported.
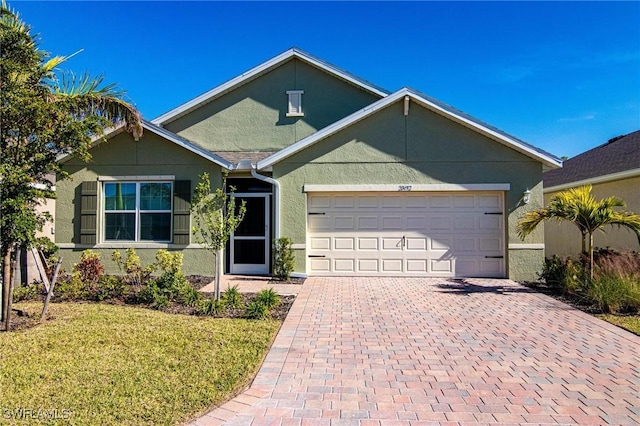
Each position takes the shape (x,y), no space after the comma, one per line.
(630,322)
(95,364)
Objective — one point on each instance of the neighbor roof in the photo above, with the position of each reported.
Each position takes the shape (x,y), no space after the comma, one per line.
(618,155)
(259,70)
(429,103)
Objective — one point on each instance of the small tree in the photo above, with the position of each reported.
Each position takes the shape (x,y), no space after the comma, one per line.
(284,260)
(216,216)
(578,206)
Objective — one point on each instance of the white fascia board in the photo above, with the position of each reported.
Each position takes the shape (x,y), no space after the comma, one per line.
(265,66)
(395,97)
(595,180)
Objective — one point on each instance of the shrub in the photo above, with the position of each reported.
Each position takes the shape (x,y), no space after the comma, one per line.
(72,288)
(566,275)
(614,292)
(135,274)
(256,310)
(189,295)
(89,269)
(268,298)
(109,287)
(209,307)
(283,259)
(231,297)
(26,292)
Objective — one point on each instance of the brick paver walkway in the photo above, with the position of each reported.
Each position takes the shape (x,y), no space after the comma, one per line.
(415,351)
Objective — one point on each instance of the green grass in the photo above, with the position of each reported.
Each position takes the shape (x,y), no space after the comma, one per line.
(107,364)
(631,323)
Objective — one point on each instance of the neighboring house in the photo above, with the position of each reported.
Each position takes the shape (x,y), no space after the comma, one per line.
(613,169)
(365,182)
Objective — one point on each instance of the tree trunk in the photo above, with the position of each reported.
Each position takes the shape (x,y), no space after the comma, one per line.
(591,255)
(218,272)
(6,283)
(14,267)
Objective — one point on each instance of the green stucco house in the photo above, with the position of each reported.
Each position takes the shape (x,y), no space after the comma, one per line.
(364,181)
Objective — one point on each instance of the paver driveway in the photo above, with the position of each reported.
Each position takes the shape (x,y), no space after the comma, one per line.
(409,351)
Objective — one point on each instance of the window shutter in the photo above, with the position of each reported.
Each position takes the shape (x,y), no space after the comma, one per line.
(181,212)
(88,212)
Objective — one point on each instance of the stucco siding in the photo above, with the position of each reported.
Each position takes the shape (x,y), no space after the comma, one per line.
(389,148)
(253,116)
(122,156)
(563,239)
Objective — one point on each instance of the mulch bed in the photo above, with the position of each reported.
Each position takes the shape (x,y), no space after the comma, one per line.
(21,320)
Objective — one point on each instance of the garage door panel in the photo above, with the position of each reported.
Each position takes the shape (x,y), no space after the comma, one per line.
(416,265)
(367,223)
(391,222)
(368,243)
(391,265)
(394,243)
(368,265)
(439,223)
(416,244)
(319,223)
(320,243)
(420,234)
(340,243)
(320,265)
(344,265)
(344,202)
(343,223)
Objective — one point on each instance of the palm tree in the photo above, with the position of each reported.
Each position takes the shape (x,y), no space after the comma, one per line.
(578,206)
(45,113)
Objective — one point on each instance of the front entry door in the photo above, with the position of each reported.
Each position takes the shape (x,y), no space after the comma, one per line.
(249,244)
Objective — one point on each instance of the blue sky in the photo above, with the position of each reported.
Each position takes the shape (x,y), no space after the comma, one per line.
(564,76)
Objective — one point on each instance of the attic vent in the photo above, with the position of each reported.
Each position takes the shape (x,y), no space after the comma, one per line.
(295,103)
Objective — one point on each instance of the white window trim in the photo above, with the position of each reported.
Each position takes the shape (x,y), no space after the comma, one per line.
(294,110)
(138,180)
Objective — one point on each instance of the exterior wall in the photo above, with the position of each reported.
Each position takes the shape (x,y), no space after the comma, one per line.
(253,117)
(421,148)
(122,156)
(563,239)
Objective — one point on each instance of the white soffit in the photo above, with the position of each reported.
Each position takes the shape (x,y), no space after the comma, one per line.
(467,121)
(260,69)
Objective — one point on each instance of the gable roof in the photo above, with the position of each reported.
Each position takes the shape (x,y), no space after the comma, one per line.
(615,157)
(431,104)
(165,134)
(262,69)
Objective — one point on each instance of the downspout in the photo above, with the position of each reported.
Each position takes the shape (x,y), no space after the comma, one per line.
(276,199)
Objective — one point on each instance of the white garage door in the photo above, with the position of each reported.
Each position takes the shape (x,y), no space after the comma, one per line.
(456,234)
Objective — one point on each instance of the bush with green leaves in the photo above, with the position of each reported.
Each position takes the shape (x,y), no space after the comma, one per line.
(284,260)
(135,274)
(232,298)
(72,288)
(211,307)
(566,275)
(26,292)
(256,310)
(109,287)
(268,298)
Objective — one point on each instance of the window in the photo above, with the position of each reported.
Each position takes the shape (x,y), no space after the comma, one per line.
(295,103)
(137,211)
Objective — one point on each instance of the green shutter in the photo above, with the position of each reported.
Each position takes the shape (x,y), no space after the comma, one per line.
(88,212)
(181,212)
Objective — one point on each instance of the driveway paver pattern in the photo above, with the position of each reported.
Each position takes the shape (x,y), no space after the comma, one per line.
(423,351)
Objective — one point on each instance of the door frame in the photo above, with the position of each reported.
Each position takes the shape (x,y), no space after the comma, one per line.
(253,268)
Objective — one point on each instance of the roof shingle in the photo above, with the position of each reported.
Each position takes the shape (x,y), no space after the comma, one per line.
(617,155)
